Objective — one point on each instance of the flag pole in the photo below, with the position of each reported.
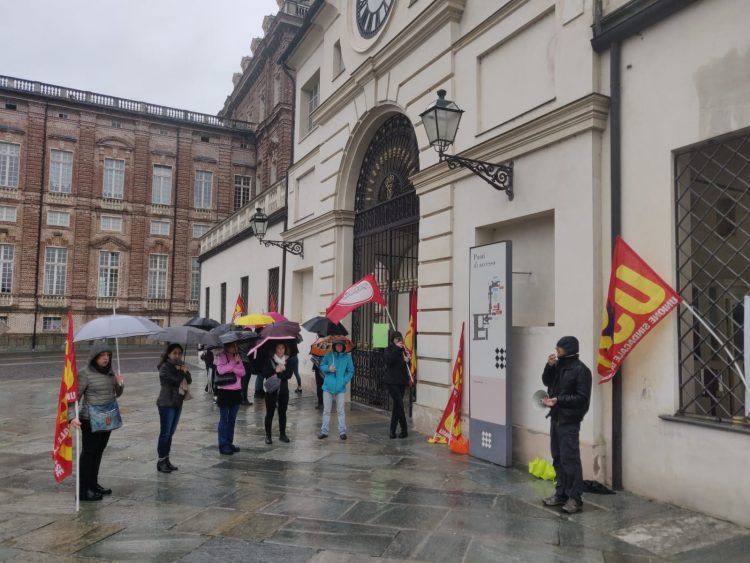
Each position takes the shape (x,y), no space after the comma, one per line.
(78,462)
(719,340)
(393,326)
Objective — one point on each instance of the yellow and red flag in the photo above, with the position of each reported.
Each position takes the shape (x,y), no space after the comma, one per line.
(62,450)
(410,339)
(239,308)
(449,427)
(638,299)
(272,303)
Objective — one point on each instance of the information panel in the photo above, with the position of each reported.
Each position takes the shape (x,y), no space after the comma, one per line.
(490,360)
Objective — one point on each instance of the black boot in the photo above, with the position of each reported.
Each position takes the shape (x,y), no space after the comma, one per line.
(171,467)
(88,495)
(162,467)
(101,490)
(268,439)
(283,438)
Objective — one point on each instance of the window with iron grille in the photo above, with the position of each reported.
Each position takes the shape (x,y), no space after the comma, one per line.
(61,172)
(6,268)
(114,178)
(241,191)
(109,273)
(161,185)
(208,303)
(195,280)
(157,276)
(223,304)
(244,288)
(273,289)
(55,270)
(10,154)
(203,181)
(712,194)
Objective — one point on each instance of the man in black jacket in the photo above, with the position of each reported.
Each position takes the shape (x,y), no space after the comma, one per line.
(568,383)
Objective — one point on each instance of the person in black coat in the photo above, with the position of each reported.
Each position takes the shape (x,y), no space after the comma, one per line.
(174,378)
(568,383)
(396,380)
(277,390)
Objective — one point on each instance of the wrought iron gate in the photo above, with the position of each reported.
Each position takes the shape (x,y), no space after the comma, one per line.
(386,241)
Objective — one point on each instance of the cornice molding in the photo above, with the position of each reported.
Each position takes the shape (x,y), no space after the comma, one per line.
(325,222)
(67,138)
(589,113)
(117,142)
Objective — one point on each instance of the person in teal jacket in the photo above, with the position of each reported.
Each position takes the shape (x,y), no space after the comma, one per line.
(337,368)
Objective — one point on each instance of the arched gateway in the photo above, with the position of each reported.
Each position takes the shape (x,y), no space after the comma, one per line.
(386,241)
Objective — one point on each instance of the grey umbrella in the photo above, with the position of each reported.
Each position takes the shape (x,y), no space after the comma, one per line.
(186,335)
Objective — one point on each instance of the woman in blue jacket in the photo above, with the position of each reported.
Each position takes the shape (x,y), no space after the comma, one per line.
(337,369)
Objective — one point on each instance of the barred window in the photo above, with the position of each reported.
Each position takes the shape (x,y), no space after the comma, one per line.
(10,155)
(111,223)
(7,213)
(61,172)
(195,280)
(58,218)
(241,191)
(203,181)
(157,276)
(55,270)
(160,228)
(161,185)
(114,178)
(273,289)
(109,273)
(7,252)
(712,194)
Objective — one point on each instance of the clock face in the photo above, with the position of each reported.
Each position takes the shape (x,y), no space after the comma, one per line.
(371,15)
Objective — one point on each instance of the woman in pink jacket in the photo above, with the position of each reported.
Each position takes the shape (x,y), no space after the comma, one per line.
(229,396)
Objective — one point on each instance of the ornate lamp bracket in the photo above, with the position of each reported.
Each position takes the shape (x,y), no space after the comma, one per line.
(292,246)
(499,176)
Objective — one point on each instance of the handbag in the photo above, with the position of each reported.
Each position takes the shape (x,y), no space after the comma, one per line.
(272,384)
(105,418)
(224,378)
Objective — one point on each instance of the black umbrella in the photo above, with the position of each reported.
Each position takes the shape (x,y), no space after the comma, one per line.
(323,326)
(281,329)
(218,330)
(238,336)
(202,323)
(186,335)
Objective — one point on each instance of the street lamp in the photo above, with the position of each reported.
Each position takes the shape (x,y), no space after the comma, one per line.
(259,221)
(440,120)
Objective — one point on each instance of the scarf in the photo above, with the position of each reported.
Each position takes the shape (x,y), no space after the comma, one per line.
(280,360)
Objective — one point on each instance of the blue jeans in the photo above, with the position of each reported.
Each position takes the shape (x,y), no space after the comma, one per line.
(227,418)
(327,404)
(168,419)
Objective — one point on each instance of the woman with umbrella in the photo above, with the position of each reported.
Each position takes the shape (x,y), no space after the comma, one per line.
(174,378)
(277,371)
(338,369)
(97,386)
(229,395)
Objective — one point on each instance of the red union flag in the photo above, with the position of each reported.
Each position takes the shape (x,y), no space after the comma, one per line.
(363,291)
(638,299)
(449,427)
(62,449)
(239,308)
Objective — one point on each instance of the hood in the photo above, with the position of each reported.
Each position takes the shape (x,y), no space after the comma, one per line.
(98,348)
(569,344)
(394,334)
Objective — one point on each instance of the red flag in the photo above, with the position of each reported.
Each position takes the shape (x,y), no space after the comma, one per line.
(272,303)
(410,338)
(62,449)
(449,427)
(239,308)
(638,299)
(363,291)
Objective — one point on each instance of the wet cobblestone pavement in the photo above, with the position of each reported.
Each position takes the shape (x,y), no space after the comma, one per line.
(367,498)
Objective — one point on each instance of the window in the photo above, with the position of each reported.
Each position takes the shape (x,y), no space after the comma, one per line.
(58,218)
(111,223)
(338,61)
(310,101)
(203,181)
(160,228)
(157,276)
(241,191)
(51,324)
(7,213)
(114,178)
(195,280)
(164,132)
(157,321)
(6,268)
(109,273)
(161,185)
(60,171)
(62,115)
(10,106)
(55,270)
(223,304)
(116,124)
(273,289)
(205,139)
(200,230)
(712,197)
(244,288)
(208,303)
(10,155)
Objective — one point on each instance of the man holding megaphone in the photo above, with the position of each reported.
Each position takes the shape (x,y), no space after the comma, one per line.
(568,383)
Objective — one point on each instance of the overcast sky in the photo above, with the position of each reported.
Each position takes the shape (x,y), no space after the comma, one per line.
(179,53)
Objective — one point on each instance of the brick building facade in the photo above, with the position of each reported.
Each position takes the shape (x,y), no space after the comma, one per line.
(103,202)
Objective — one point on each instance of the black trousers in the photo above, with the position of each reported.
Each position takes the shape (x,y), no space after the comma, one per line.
(398,416)
(272,400)
(92,449)
(245,381)
(566,459)
(319,385)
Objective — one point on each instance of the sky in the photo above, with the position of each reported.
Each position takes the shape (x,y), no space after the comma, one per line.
(178,53)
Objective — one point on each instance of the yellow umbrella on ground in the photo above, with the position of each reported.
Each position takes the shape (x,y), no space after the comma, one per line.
(254,319)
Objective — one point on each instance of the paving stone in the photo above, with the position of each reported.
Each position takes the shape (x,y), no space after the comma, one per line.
(443,547)
(63,537)
(310,507)
(133,545)
(12,525)
(227,549)
(211,521)
(141,515)
(363,511)
(256,527)
(368,544)
(406,544)
(481,550)
(411,517)
(736,550)
(487,524)
(440,497)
